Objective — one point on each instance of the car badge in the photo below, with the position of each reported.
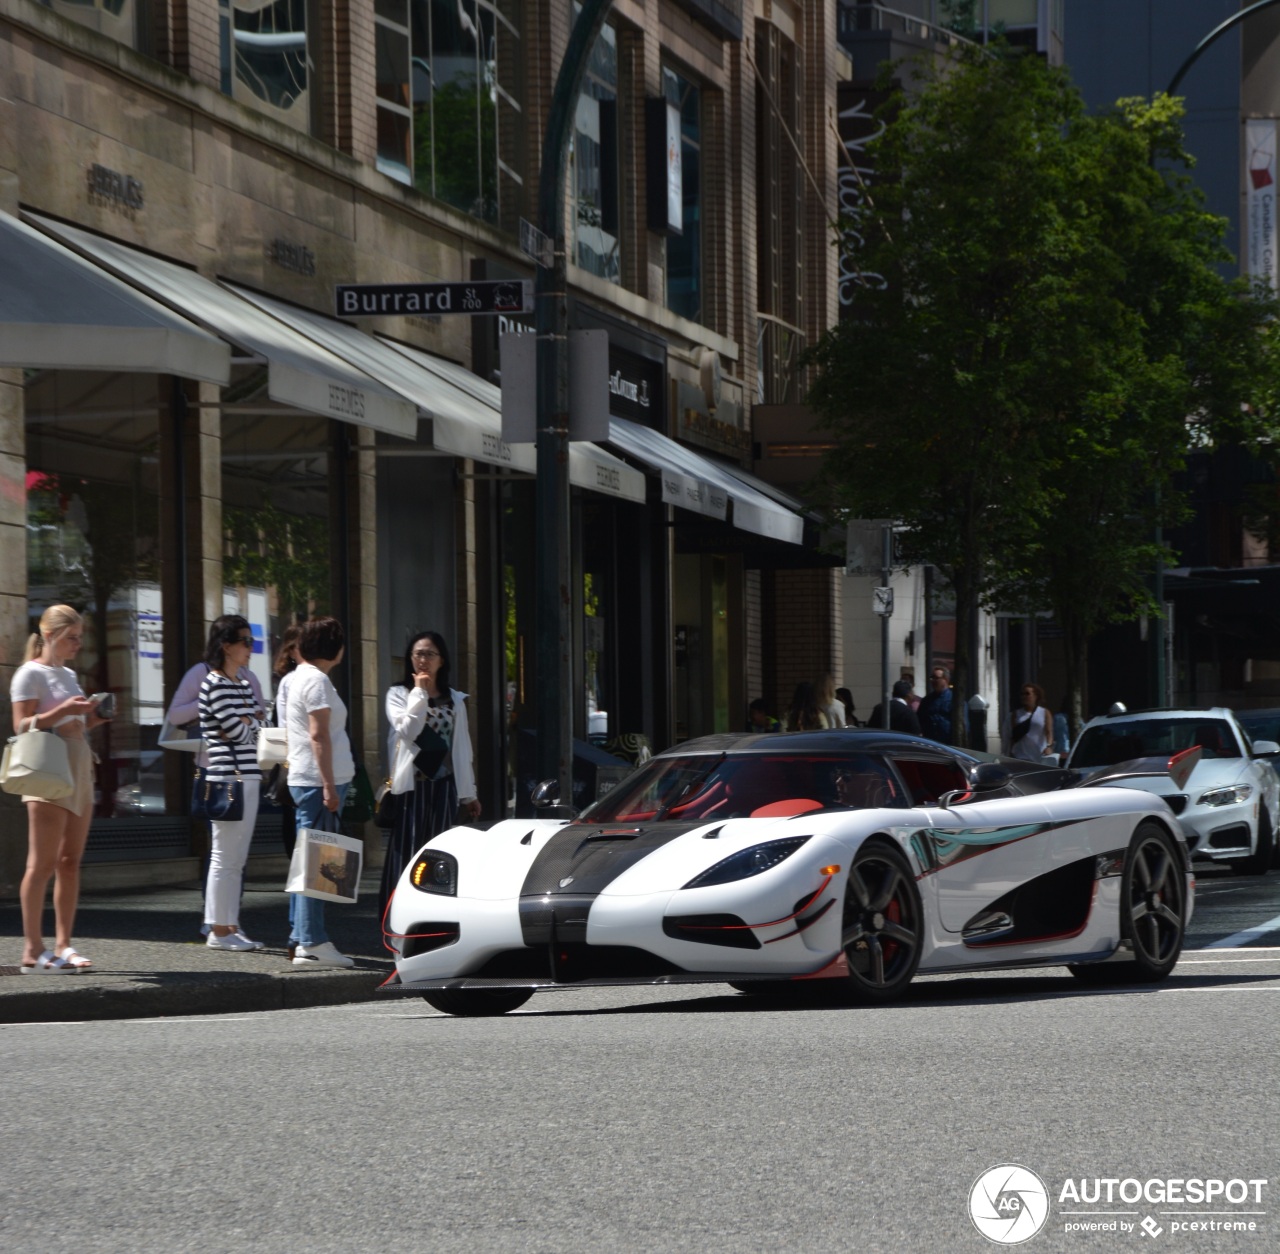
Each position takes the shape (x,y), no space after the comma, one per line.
(568,879)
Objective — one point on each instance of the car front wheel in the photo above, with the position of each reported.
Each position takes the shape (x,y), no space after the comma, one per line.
(883,930)
(476,1003)
(1259,862)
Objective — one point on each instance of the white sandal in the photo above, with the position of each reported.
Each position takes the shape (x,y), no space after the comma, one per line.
(72,961)
(48,964)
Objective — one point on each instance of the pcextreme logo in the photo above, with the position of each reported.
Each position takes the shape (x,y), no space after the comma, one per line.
(1010,1204)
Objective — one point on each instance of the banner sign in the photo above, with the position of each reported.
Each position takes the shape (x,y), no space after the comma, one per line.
(1260,199)
(498,296)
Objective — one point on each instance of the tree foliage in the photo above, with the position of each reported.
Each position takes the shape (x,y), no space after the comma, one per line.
(1053,337)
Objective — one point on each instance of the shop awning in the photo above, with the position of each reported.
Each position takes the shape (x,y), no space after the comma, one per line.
(590,467)
(300,373)
(60,312)
(697,483)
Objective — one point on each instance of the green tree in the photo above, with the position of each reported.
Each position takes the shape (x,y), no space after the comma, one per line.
(1052,336)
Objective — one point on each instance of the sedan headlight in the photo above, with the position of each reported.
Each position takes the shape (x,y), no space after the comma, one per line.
(435,872)
(1226,796)
(741,866)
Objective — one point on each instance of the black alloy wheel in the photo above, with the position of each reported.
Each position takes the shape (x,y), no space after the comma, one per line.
(477,1003)
(883,927)
(1153,911)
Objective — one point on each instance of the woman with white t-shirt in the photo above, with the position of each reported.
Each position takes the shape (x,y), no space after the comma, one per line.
(320,768)
(1029,732)
(46,694)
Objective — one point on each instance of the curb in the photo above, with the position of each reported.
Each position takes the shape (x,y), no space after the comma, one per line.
(164,996)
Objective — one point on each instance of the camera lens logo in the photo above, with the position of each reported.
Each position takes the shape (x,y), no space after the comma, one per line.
(1009,1204)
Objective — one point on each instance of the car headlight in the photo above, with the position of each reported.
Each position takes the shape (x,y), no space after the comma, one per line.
(435,872)
(1226,796)
(741,866)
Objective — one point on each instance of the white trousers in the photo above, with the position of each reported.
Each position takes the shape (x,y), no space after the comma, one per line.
(226,862)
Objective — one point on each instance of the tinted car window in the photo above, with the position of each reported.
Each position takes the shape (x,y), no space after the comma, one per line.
(1108,744)
(1260,724)
(927,780)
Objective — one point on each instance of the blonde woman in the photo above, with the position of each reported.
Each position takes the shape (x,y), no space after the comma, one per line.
(45,689)
(824,694)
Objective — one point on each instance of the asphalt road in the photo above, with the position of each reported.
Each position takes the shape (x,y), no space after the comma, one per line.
(682,1119)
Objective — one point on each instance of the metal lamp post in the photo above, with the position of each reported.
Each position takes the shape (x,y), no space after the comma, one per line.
(553,571)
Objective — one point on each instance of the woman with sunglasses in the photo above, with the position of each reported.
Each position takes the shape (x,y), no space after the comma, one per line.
(429,748)
(230,718)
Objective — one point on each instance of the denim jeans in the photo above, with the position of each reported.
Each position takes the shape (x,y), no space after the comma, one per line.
(306,914)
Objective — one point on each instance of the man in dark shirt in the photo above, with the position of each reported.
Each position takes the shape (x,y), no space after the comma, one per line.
(935,710)
(902,718)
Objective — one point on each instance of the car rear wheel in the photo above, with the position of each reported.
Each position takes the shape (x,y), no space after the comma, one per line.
(1259,862)
(883,928)
(476,1003)
(1153,910)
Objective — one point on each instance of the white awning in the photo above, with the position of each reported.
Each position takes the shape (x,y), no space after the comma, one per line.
(590,467)
(300,373)
(697,483)
(60,312)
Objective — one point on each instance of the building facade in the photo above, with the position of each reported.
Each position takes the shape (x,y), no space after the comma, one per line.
(189,429)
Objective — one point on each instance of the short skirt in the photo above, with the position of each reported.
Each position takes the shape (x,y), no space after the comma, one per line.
(80,800)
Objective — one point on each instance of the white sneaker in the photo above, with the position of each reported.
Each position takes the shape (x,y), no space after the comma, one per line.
(232,940)
(325,955)
(253,944)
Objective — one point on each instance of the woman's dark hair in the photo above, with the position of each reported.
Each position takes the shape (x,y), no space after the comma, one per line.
(286,652)
(804,714)
(442,675)
(225,630)
(320,639)
(845,697)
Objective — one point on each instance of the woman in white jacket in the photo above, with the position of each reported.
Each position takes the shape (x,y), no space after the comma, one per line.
(429,750)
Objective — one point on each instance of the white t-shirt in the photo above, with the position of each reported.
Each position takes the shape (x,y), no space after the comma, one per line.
(47,686)
(309,689)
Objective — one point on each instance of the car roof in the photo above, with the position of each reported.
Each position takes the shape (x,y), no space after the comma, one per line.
(833,740)
(1146,716)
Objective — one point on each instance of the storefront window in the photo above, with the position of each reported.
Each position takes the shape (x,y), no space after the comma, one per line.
(684,251)
(120,20)
(93,525)
(263,46)
(595,164)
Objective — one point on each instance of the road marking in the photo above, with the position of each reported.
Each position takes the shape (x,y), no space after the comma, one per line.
(1249,934)
(1216,962)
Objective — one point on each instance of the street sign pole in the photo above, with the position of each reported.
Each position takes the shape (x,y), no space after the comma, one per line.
(553,574)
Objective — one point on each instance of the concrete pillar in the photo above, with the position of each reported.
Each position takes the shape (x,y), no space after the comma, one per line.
(13,607)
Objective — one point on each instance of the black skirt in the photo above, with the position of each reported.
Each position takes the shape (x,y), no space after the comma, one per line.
(430,809)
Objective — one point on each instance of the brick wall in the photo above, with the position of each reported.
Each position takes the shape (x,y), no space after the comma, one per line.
(801,631)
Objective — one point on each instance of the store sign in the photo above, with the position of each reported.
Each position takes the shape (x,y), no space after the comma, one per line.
(1260,199)
(858,127)
(664,167)
(113,189)
(295,257)
(635,386)
(362,300)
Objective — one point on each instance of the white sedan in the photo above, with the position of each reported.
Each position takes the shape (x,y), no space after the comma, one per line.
(1229,804)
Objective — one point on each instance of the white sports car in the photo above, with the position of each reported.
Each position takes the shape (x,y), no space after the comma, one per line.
(858,858)
(1227,806)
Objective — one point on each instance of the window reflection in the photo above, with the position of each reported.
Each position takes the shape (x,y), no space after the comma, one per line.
(684,252)
(595,143)
(264,56)
(117,19)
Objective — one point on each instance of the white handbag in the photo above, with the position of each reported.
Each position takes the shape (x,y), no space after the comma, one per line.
(36,764)
(185,739)
(273,746)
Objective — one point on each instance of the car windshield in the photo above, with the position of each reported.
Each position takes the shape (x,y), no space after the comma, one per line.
(1261,724)
(704,787)
(1110,743)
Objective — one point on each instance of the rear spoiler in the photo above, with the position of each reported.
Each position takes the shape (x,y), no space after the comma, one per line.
(1178,768)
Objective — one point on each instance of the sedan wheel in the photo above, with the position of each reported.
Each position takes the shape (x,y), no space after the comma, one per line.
(1153,909)
(475,1003)
(1259,862)
(883,932)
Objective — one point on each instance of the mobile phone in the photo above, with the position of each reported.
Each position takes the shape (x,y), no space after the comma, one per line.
(106,703)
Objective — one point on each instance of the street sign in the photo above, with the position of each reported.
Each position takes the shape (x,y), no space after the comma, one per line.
(535,245)
(882,601)
(496,296)
(588,387)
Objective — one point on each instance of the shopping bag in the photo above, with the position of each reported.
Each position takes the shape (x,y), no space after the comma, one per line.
(359,805)
(185,739)
(326,864)
(273,746)
(36,764)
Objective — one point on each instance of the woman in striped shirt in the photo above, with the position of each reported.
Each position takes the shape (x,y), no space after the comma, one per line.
(229,721)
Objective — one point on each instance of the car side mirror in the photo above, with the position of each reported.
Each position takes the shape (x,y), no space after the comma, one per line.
(1264,748)
(988,776)
(546,794)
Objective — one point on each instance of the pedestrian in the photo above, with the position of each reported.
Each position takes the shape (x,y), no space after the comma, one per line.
(231,716)
(804,714)
(845,697)
(184,711)
(759,719)
(285,663)
(429,756)
(45,694)
(902,718)
(935,707)
(320,769)
(1028,732)
(824,692)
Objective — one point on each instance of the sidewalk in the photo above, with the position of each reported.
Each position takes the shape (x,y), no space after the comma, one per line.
(150,959)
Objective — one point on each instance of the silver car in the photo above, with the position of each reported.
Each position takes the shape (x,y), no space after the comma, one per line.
(1229,804)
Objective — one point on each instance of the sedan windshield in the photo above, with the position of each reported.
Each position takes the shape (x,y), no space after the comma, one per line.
(1109,744)
(702,787)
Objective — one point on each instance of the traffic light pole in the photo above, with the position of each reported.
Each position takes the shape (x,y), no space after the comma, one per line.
(553,575)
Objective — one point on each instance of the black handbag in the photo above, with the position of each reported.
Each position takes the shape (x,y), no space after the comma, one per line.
(386,810)
(219,799)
